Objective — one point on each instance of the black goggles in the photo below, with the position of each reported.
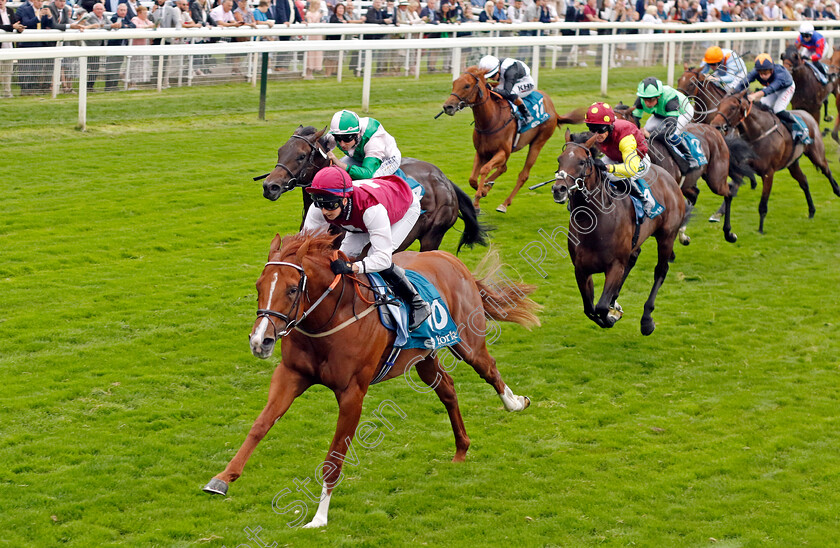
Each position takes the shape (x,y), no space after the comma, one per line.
(598,128)
(346,138)
(807,36)
(327,202)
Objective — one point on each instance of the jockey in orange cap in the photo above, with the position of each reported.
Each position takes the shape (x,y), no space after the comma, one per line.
(724,65)
(380,212)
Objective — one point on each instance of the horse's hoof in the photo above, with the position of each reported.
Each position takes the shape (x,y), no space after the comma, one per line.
(527,403)
(502,208)
(715,218)
(731,237)
(812,213)
(648,327)
(216,487)
(828,118)
(615,313)
(685,239)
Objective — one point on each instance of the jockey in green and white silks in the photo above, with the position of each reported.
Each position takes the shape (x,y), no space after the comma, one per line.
(670,113)
(370,150)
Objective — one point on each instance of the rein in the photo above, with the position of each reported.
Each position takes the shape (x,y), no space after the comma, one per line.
(294,179)
(482,99)
(291,318)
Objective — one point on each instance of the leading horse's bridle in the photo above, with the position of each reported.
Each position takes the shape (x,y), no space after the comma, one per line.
(307,164)
(579,182)
(291,318)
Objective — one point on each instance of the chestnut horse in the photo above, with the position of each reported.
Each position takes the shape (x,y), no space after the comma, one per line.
(810,94)
(328,338)
(705,92)
(443,202)
(773,145)
(603,235)
(495,132)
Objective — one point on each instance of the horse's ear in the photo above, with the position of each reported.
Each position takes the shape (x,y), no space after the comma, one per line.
(568,135)
(275,245)
(743,93)
(591,141)
(620,104)
(298,129)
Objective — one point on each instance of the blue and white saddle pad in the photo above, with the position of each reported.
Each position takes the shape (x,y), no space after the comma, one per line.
(639,207)
(437,331)
(817,72)
(800,131)
(415,185)
(535,104)
(696,149)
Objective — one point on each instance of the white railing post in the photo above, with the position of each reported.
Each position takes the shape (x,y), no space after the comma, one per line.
(161,59)
(605,67)
(340,68)
(671,62)
(82,125)
(366,81)
(456,63)
(535,66)
(56,76)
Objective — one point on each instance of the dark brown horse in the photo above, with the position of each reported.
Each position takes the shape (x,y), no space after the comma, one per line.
(443,202)
(328,338)
(834,70)
(810,94)
(705,92)
(716,172)
(603,235)
(773,145)
(495,132)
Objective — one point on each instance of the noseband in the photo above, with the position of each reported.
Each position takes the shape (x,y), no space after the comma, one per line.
(463,103)
(295,179)
(579,183)
(728,123)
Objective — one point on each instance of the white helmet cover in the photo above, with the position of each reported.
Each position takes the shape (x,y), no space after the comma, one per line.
(490,63)
(806,28)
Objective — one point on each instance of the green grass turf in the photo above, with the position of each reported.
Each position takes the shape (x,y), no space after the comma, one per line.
(129,256)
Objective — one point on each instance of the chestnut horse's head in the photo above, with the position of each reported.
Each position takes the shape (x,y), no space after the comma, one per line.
(467,90)
(297,161)
(297,266)
(575,170)
(731,111)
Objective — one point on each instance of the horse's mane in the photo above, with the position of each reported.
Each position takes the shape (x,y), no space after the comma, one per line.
(581,138)
(761,106)
(304,244)
(306,130)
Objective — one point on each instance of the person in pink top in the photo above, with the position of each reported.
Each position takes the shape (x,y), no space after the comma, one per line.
(381,212)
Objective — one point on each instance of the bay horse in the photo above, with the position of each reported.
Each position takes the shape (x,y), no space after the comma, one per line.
(773,145)
(810,94)
(705,92)
(328,338)
(495,133)
(443,202)
(607,238)
(716,172)
(834,69)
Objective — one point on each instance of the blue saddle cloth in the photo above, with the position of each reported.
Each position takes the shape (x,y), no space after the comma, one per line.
(823,79)
(694,146)
(437,331)
(415,185)
(535,104)
(800,130)
(638,206)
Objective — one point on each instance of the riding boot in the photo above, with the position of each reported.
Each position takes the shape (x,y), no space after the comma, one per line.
(674,148)
(641,189)
(792,125)
(523,111)
(418,309)
(682,147)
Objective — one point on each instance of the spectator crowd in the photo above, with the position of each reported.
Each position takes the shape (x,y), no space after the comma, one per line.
(34,76)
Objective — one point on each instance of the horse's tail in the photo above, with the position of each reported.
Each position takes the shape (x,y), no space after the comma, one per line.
(474,232)
(741,156)
(503,299)
(572,117)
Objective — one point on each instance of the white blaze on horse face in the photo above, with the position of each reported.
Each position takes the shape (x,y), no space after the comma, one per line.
(259,334)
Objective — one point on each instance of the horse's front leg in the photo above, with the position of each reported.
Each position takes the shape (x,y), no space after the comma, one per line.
(494,164)
(530,160)
(478,161)
(349,410)
(286,385)
(613,279)
(665,249)
(587,293)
